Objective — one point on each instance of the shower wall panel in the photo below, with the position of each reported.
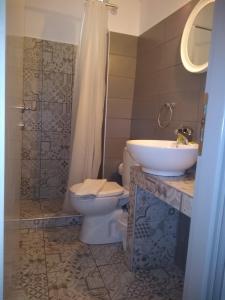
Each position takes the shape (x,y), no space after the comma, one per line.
(48,83)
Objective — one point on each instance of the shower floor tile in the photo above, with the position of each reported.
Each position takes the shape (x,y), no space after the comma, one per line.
(54,264)
(34,209)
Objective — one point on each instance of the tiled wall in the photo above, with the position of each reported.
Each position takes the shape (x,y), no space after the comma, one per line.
(48,81)
(122,69)
(161,78)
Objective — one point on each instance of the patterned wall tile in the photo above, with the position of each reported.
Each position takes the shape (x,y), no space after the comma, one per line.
(32,86)
(55,145)
(154,222)
(54,174)
(58,57)
(30,182)
(155,232)
(56,117)
(57,87)
(32,119)
(32,53)
(51,169)
(47,192)
(31,145)
(48,82)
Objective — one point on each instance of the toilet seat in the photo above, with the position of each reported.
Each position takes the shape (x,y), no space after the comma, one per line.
(110,189)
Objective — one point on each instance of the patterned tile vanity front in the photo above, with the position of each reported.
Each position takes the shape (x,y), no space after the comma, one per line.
(154,212)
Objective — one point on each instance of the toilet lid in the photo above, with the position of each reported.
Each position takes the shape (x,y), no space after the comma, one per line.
(109,189)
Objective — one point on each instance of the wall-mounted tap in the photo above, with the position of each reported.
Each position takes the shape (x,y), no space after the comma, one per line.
(184,135)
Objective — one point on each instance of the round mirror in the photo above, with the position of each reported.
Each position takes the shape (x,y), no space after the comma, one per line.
(196,38)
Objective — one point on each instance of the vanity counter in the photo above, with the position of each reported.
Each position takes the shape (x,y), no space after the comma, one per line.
(175,191)
(157,207)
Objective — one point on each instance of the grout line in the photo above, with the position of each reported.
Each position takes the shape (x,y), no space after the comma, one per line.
(98,268)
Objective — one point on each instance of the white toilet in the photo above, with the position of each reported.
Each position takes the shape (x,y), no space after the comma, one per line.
(103,213)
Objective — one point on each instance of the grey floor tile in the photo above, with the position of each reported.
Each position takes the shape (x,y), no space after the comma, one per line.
(63,240)
(51,208)
(60,288)
(33,286)
(108,254)
(55,265)
(30,209)
(117,279)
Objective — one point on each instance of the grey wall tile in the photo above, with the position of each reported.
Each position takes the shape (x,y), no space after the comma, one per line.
(148,109)
(175,23)
(176,78)
(118,128)
(119,108)
(121,87)
(111,167)
(114,147)
(161,78)
(170,53)
(151,38)
(143,129)
(123,44)
(122,66)
(122,70)
(145,86)
(186,108)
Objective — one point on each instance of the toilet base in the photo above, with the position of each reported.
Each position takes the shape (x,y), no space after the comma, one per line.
(101,229)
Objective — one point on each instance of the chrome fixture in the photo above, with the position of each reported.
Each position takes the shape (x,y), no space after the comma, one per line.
(111,5)
(170,107)
(23,107)
(184,135)
(21,125)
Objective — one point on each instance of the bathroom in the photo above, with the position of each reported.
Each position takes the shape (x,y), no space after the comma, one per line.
(53,249)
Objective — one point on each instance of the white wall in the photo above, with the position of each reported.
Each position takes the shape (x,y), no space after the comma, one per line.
(154,11)
(60,20)
(128,16)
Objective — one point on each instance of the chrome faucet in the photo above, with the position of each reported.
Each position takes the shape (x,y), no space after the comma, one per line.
(184,135)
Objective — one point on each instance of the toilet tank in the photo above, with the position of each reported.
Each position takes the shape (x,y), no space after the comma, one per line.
(128,161)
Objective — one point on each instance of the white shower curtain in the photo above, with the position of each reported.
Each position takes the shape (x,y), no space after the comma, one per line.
(89,96)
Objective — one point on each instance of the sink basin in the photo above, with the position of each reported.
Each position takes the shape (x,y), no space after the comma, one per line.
(164,158)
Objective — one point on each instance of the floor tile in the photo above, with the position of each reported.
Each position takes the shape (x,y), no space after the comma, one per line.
(63,240)
(30,209)
(51,208)
(107,254)
(117,279)
(34,286)
(62,289)
(55,265)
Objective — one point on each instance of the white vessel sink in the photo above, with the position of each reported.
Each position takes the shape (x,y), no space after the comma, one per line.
(164,158)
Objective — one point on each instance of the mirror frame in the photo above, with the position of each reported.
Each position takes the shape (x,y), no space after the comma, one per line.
(185,37)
